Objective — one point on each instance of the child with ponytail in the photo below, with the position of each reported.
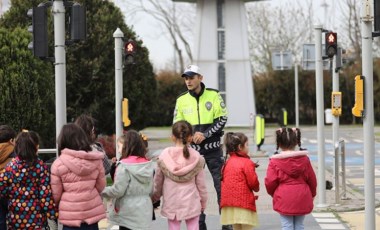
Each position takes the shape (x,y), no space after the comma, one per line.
(180,180)
(25,183)
(239,182)
(290,179)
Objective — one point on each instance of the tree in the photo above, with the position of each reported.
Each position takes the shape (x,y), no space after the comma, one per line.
(350,38)
(276,29)
(174,21)
(170,85)
(26,87)
(90,71)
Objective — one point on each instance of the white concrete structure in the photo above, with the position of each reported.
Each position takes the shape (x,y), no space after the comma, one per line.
(221,51)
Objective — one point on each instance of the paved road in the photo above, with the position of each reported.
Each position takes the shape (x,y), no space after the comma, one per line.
(268,219)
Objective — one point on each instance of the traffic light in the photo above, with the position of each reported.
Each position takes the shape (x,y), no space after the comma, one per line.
(358,108)
(39,29)
(125,112)
(336,103)
(331,44)
(129,51)
(78,29)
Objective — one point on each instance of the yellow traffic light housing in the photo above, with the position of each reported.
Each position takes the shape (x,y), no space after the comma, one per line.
(358,109)
(336,103)
(125,112)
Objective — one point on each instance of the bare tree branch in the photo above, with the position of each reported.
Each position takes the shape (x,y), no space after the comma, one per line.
(178,28)
(277,29)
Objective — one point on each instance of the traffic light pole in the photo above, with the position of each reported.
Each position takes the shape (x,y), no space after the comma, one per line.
(335,119)
(320,121)
(368,117)
(60,65)
(119,47)
(296,93)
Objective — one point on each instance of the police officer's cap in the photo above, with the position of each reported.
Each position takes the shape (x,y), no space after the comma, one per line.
(191,70)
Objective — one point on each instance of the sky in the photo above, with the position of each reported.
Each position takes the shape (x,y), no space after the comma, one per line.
(161,51)
(159,45)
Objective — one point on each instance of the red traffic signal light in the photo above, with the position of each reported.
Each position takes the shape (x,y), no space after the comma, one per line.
(129,51)
(130,47)
(331,44)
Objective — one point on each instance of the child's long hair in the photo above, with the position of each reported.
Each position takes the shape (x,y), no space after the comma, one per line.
(288,138)
(232,141)
(87,123)
(182,130)
(133,145)
(26,146)
(73,137)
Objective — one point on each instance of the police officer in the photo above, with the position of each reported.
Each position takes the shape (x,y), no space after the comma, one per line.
(206,111)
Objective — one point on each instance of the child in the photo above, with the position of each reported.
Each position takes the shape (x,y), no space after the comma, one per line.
(7,143)
(180,180)
(25,183)
(87,123)
(239,178)
(77,178)
(133,185)
(290,179)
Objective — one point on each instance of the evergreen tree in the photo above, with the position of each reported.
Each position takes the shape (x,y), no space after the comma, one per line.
(90,76)
(26,86)
(91,71)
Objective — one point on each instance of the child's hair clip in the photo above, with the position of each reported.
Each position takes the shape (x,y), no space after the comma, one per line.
(144,137)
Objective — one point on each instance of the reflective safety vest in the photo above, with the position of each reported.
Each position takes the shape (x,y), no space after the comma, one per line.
(206,112)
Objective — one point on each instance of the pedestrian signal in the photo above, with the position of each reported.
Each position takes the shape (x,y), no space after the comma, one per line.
(358,108)
(331,44)
(125,112)
(129,51)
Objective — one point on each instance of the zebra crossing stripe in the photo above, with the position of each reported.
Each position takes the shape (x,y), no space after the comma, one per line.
(323,215)
(332,226)
(358,140)
(328,221)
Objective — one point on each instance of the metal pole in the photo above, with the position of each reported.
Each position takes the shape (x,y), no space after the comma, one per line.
(320,121)
(335,119)
(60,65)
(368,119)
(296,93)
(343,159)
(336,172)
(119,45)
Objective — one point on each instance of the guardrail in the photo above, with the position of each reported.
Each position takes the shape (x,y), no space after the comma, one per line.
(47,155)
(47,151)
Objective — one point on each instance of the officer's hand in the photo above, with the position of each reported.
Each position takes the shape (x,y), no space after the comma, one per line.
(198,137)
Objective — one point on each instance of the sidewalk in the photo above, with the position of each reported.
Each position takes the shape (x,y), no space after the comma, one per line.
(349,210)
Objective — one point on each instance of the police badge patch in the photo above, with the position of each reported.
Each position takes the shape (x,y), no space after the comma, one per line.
(208,105)
(222,104)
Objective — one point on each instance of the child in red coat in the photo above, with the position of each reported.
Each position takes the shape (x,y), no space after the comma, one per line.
(239,180)
(291,180)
